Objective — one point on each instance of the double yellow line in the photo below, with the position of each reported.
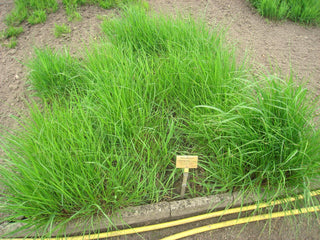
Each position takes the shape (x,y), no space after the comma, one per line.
(200,218)
(241,221)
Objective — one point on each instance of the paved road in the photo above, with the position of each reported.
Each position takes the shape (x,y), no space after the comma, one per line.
(300,227)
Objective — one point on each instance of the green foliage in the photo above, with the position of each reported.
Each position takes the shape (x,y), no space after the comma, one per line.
(12,32)
(306,11)
(71,8)
(8,37)
(12,43)
(90,171)
(58,71)
(73,14)
(16,16)
(267,140)
(109,124)
(39,16)
(60,30)
(33,10)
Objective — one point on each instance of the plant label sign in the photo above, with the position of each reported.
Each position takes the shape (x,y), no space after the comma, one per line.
(187,161)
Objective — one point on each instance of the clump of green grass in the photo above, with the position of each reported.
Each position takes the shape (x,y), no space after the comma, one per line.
(71,8)
(108,125)
(8,37)
(39,16)
(11,43)
(267,141)
(61,30)
(33,11)
(96,172)
(11,32)
(306,11)
(59,71)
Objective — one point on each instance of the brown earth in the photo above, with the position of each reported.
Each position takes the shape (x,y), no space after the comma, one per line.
(13,71)
(284,46)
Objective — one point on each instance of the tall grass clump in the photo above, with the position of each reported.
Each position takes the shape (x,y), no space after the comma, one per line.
(59,71)
(268,141)
(305,11)
(107,125)
(191,64)
(68,163)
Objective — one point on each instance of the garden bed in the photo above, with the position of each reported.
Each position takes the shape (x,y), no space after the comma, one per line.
(142,98)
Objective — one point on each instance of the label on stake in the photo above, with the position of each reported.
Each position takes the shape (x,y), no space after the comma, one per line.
(187,162)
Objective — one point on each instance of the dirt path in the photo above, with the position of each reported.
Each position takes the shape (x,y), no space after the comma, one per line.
(283,45)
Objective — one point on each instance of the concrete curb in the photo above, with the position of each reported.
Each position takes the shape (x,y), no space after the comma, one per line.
(148,214)
(140,215)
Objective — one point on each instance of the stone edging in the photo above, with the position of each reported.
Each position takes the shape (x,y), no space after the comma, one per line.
(143,214)
(151,213)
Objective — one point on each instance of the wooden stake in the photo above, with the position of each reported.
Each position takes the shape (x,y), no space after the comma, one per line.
(184,181)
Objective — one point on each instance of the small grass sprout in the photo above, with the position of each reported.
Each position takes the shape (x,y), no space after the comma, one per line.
(61,30)
(12,32)
(11,43)
(39,16)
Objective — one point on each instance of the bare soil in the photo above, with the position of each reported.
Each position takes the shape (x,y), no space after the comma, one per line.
(13,78)
(282,46)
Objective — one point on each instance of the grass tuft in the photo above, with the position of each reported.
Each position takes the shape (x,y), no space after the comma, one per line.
(34,11)
(11,32)
(12,43)
(305,11)
(61,30)
(267,141)
(39,16)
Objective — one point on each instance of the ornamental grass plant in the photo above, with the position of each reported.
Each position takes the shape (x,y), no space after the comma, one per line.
(106,126)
